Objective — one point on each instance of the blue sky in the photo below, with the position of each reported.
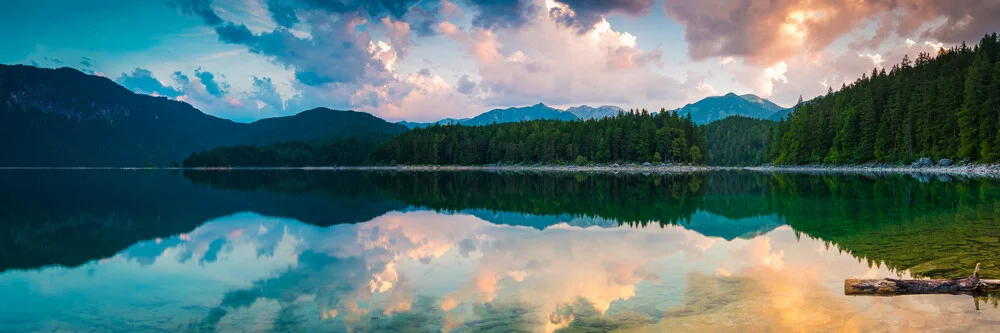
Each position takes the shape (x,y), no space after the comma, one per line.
(424,60)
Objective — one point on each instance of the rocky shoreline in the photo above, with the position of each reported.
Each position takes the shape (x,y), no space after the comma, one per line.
(612,168)
(992,170)
(923,167)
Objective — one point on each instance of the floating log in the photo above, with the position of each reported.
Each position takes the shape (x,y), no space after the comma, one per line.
(893,287)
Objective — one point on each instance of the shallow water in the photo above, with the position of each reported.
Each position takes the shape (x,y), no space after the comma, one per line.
(479,251)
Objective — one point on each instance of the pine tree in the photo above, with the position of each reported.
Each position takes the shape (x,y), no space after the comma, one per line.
(968,116)
(946,105)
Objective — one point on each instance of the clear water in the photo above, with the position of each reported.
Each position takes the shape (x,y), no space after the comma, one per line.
(84,250)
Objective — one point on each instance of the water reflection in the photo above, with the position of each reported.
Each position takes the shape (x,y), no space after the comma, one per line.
(320,251)
(937,227)
(457,272)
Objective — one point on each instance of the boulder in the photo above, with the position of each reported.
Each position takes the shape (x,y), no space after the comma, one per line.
(945,162)
(922,163)
(647,164)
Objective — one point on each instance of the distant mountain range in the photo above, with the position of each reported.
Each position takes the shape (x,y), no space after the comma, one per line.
(715,108)
(62,117)
(704,111)
(588,112)
(509,115)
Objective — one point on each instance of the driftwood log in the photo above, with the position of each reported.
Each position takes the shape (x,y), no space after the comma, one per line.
(893,287)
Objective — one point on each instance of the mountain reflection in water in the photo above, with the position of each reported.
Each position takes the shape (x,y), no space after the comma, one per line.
(328,251)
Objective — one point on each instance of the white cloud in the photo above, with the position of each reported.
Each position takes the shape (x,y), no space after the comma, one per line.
(545,61)
(771,75)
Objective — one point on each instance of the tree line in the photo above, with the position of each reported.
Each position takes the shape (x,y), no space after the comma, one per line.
(943,106)
(633,136)
(350,151)
(738,141)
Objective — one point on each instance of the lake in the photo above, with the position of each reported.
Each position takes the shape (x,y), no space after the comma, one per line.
(112,250)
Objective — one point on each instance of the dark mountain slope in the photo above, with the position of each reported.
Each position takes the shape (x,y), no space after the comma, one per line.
(62,117)
(319,124)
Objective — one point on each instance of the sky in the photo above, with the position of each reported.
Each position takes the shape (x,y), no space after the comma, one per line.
(424,60)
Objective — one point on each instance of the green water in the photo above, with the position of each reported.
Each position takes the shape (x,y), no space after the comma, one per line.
(86,250)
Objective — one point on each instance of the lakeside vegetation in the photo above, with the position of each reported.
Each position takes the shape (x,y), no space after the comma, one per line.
(738,141)
(635,136)
(351,151)
(939,107)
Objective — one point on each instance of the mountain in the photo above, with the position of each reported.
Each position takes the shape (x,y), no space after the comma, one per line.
(508,115)
(764,103)
(317,124)
(515,114)
(445,121)
(588,112)
(715,108)
(781,114)
(63,117)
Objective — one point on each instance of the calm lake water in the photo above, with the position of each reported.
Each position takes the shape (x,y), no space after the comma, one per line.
(85,250)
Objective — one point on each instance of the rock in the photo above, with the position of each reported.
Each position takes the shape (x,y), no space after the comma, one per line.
(647,164)
(922,163)
(944,162)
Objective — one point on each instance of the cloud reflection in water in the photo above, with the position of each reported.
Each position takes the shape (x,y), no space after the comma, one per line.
(457,272)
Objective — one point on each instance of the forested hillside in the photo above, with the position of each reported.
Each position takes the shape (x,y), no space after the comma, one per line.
(943,106)
(738,141)
(352,151)
(637,136)
(63,117)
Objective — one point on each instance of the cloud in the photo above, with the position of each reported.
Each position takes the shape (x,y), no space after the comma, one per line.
(545,61)
(584,14)
(424,17)
(282,13)
(335,60)
(812,74)
(208,92)
(336,52)
(421,96)
(764,33)
(494,14)
(266,93)
(235,34)
(964,20)
(399,34)
(142,81)
(86,62)
(771,76)
(214,88)
(466,85)
(198,8)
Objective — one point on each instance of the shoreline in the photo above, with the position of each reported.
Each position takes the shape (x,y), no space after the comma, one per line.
(537,168)
(979,170)
(987,170)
